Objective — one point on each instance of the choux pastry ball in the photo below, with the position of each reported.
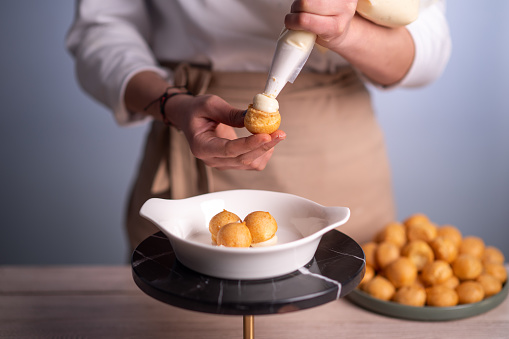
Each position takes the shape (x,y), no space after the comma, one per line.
(441,296)
(219,220)
(452,233)
(258,122)
(417,218)
(380,288)
(394,233)
(401,272)
(470,292)
(436,272)
(419,252)
(386,253)
(413,295)
(262,115)
(262,226)
(369,249)
(490,284)
(444,249)
(368,275)
(452,282)
(493,255)
(467,267)
(235,234)
(421,231)
(496,270)
(472,245)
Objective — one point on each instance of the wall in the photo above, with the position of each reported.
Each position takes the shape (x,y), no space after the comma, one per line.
(449,142)
(66,167)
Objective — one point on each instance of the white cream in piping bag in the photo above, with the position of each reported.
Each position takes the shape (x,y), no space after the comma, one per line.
(292,51)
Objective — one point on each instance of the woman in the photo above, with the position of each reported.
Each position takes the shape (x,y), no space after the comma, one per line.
(135,57)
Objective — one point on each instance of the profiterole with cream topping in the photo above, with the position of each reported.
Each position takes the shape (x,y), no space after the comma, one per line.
(263,115)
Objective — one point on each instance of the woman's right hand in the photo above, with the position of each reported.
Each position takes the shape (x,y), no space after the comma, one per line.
(208,123)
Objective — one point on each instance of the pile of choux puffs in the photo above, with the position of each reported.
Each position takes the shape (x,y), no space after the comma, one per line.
(418,263)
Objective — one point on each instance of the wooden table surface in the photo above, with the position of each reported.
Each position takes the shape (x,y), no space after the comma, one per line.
(104,302)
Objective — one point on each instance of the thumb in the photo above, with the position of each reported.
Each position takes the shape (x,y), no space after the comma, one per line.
(236,117)
(221,111)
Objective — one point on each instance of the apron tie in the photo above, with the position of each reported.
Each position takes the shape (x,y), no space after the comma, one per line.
(188,176)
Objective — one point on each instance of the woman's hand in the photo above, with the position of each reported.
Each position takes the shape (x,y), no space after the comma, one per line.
(207,122)
(328,19)
(382,54)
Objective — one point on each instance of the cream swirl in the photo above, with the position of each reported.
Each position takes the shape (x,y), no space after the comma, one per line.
(265,103)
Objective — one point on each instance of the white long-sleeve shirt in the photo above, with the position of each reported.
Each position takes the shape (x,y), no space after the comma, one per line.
(113,40)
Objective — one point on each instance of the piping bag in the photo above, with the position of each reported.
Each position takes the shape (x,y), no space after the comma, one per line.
(292,51)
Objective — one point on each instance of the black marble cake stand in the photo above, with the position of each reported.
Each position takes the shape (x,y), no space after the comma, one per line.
(336,269)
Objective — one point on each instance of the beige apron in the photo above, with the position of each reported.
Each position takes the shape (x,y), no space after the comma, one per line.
(334,152)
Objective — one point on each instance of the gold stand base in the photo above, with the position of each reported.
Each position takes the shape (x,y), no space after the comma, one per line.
(249,327)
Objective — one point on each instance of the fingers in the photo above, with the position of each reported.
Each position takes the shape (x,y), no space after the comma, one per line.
(326,27)
(236,117)
(258,157)
(319,7)
(328,19)
(251,153)
(209,130)
(257,164)
(214,108)
(261,162)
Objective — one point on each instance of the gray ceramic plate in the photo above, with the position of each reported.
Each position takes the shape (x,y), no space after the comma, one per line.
(426,313)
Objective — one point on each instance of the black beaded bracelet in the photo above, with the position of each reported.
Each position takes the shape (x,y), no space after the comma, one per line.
(163,99)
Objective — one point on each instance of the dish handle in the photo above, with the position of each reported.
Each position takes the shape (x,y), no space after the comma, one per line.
(155,210)
(336,216)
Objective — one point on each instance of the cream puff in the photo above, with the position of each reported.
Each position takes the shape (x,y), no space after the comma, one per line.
(419,252)
(263,228)
(470,292)
(436,272)
(219,220)
(413,295)
(380,288)
(235,234)
(262,115)
(441,296)
(467,267)
(401,272)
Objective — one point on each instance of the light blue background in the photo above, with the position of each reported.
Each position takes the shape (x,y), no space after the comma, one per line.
(66,167)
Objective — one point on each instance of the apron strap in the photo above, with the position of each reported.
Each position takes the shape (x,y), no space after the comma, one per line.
(168,169)
(188,176)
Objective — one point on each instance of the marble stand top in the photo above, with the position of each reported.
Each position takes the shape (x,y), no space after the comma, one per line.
(336,269)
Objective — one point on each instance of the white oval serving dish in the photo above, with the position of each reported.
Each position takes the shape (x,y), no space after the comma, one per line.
(301,225)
